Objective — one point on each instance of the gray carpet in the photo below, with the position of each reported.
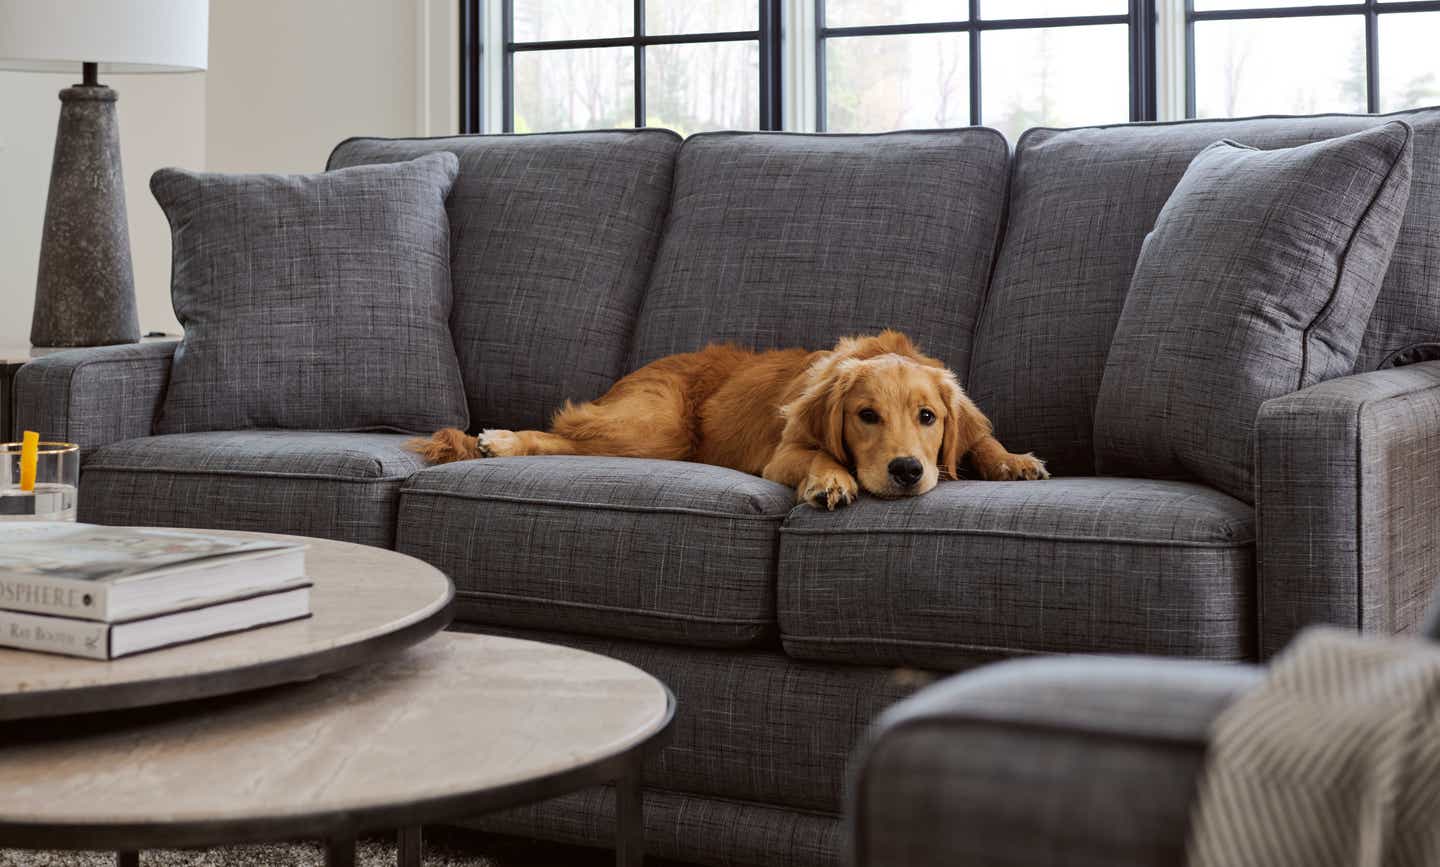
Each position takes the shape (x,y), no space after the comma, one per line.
(444,847)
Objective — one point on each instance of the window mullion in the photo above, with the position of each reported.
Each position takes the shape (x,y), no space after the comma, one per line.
(1372,57)
(639,73)
(974,34)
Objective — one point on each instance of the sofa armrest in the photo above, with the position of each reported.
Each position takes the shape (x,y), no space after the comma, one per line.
(1053,761)
(1347,502)
(96,395)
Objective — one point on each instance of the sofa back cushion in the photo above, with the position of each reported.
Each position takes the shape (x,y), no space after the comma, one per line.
(780,240)
(552,239)
(1081,203)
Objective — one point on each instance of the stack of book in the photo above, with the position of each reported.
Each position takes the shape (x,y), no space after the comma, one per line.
(107,592)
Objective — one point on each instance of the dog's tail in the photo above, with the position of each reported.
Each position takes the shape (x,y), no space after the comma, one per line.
(445,446)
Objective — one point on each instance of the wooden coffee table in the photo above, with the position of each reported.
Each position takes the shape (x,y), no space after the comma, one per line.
(453,727)
(368,603)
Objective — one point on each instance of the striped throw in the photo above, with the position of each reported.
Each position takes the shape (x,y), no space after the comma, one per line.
(1334,760)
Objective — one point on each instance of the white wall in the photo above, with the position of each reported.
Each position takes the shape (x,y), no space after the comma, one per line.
(287,80)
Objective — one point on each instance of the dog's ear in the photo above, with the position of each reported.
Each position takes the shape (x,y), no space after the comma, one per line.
(965,424)
(819,411)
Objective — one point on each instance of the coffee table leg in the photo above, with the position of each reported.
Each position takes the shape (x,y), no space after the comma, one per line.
(408,847)
(127,859)
(629,820)
(340,852)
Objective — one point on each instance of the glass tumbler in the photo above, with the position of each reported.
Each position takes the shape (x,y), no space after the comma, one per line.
(57,475)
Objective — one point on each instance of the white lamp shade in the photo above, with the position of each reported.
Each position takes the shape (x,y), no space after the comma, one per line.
(119,35)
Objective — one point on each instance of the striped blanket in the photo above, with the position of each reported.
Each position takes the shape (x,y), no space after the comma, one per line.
(1334,761)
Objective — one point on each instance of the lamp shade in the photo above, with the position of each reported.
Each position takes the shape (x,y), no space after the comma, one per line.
(119,35)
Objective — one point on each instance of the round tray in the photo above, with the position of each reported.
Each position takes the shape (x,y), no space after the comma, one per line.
(367,603)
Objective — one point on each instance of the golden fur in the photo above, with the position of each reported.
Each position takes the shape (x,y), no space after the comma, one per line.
(825,423)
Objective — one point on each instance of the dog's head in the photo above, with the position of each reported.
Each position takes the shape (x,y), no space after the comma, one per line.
(897,418)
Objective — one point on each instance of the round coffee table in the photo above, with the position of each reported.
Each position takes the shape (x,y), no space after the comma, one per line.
(366,602)
(453,727)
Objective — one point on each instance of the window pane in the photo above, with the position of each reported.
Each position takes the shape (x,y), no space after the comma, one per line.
(860,13)
(1051,8)
(1408,65)
(583,88)
(700,16)
(709,85)
(1055,76)
(1279,66)
(546,20)
(1211,5)
(897,82)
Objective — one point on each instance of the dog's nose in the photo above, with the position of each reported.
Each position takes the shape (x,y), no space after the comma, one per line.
(905,471)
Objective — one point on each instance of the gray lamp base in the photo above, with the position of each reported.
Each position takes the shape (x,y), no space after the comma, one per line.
(85,294)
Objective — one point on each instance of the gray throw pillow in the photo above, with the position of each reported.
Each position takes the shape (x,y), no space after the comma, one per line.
(315,302)
(1257,281)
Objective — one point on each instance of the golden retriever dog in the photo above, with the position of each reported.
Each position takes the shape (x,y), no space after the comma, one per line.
(873,413)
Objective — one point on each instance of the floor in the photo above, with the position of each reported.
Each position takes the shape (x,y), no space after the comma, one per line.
(444,847)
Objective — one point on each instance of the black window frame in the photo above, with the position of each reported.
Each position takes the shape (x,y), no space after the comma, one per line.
(1140,16)
(766,35)
(1371,9)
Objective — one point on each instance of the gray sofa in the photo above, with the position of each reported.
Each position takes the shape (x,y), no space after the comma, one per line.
(785,630)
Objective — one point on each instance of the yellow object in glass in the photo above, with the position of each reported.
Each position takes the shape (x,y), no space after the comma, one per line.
(29,459)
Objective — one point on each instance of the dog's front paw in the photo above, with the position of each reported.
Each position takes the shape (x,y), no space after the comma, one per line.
(828,490)
(498,444)
(1016,468)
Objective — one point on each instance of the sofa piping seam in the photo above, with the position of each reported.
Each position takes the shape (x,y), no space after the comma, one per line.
(1011,534)
(606,507)
(267,474)
(617,609)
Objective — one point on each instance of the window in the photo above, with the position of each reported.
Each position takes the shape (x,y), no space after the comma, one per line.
(1249,57)
(1009,64)
(689,65)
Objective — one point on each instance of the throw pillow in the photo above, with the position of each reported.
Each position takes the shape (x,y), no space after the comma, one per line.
(1257,281)
(315,302)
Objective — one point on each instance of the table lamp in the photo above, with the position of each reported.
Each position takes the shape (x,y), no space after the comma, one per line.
(85,292)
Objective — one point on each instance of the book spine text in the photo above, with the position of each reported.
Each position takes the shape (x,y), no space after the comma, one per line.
(68,599)
(55,635)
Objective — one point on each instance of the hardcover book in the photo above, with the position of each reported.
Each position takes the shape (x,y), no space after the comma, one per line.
(104,641)
(108,574)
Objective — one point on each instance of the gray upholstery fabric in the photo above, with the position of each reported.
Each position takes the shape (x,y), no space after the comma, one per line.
(688,828)
(342,486)
(94,396)
(1082,201)
(315,302)
(784,240)
(1256,282)
(977,570)
(1348,504)
(753,725)
(553,237)
(1058,761)
(660,550)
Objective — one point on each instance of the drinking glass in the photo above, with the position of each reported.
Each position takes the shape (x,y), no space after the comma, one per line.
(57,476)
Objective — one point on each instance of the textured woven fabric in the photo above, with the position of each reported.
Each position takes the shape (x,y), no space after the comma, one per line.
(977,570)
(552,238)
(94,396)
(660,550)
(1332,761)
(1256,282)
(753,725)
(688,828)
(1081,202)
(783,240)
(315,302)
(1348,504)
(1089,761)
(342,486)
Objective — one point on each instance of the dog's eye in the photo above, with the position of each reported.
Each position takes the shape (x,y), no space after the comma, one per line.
(869,416)
(927,417)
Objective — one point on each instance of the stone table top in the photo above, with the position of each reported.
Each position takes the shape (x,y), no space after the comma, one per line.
(365,601)
(426,735)
(19,353)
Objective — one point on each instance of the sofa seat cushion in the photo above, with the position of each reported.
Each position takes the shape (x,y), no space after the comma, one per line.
(621,547)
(342,486)
(982,570)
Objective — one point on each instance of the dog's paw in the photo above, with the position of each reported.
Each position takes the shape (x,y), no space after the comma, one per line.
(1017,468)
(498,444)
(828,490)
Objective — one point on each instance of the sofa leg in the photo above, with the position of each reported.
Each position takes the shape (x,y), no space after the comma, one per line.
(629,820)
